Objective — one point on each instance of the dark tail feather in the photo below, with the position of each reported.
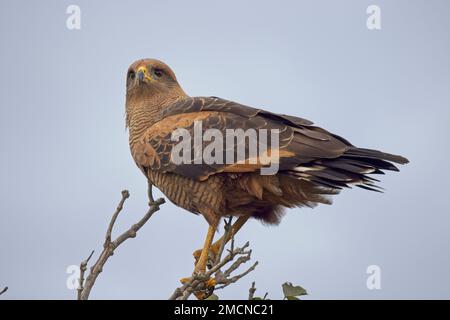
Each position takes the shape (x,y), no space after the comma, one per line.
(352,168)
(375,154)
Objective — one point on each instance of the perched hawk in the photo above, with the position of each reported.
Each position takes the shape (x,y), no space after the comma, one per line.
(313,163)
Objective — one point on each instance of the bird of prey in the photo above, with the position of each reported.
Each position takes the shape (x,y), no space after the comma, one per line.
(313,163)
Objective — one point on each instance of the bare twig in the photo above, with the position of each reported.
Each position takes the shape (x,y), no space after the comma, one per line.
(109,246)
(228,228)
(150,194)
(227,281)
(125,196)
(4,290)
(83,268)
(251,291)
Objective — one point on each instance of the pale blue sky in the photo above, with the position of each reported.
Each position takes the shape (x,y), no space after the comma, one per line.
(65,155)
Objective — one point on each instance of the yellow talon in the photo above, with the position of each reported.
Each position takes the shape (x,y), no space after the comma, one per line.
(204,293)
(210,283)
(184,280)
(213,252)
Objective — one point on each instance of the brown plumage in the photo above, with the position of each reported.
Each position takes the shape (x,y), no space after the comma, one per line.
(314,163)
(317,163)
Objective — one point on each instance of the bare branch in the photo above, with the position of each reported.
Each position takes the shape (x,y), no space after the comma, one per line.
(125,196)
(4,290)
(131,233)
(237,263)
(150,194)
(251,291)
(227,282)
(228,228)
(109,246)
(83,268)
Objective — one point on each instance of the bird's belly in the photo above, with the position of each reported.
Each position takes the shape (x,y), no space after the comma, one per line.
(192,195)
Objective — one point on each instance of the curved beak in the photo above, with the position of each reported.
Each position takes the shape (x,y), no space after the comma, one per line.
(143,74)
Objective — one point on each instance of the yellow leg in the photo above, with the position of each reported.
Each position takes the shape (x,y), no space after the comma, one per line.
(216,246)
(200,266)
(203,259)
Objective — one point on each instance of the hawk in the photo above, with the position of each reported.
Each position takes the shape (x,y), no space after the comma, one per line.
(313,163)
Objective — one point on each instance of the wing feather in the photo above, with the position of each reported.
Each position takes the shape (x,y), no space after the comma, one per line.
(306,151)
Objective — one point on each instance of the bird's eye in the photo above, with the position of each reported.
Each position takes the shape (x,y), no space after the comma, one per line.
(131,75)
(158,72)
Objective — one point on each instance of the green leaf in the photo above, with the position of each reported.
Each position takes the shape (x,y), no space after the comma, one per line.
(257,298)
(212,297)
(292,298)
(293,291)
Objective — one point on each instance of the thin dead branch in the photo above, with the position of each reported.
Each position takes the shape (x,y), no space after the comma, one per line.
(251,291)
(109,246)
(4,290)
(228,229)
(83,268)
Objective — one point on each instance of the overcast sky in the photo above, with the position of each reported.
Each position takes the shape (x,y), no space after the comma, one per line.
(65,155)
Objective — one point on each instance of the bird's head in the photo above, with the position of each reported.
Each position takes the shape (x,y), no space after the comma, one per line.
(151,77)
(151,85)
